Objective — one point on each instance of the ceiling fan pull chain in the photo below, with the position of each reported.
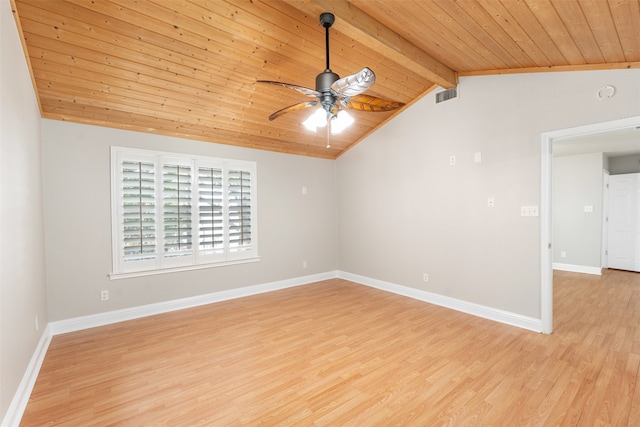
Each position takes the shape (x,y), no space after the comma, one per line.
(328,132)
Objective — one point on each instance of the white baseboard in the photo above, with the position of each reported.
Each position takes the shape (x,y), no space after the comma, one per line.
(577,268)
(107,318)
(485,312)
(20,399)
(101,319)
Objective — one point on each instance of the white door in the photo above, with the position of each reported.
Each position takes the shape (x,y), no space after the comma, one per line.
(605,220)
(624,222)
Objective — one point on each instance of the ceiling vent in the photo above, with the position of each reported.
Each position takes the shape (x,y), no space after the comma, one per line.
(447,95)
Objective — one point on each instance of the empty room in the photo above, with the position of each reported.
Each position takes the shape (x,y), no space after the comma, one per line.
(319,212)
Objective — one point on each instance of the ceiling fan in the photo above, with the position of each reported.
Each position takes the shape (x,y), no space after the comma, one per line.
(336,94)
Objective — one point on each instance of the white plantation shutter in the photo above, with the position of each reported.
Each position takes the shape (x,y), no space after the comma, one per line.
(239,192)
(136,223)
(138,205)
(172,211)
(176,209)
(211,208)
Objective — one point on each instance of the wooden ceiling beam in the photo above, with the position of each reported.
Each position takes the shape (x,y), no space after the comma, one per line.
(356,24)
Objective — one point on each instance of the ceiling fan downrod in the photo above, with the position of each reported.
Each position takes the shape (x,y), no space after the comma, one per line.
(327,19)
(325,79)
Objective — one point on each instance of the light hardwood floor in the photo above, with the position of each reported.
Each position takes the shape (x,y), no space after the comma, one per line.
(335,353)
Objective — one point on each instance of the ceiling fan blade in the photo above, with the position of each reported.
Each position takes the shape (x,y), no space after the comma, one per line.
(294,107)
(354,84)
(370,103)
(303,90)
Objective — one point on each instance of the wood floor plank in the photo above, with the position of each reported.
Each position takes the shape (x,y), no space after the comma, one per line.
(335,353)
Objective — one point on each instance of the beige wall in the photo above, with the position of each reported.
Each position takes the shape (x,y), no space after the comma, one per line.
(577,182)
(22,268)
(292,227)
(404,211)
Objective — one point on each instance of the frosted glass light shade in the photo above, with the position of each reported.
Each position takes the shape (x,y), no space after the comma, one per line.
(341,122)
(319,119)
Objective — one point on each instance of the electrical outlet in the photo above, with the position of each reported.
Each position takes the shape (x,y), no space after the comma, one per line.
(425,277)
(491,202)
(563,254)
(104,295)
(304,264)
(452,160)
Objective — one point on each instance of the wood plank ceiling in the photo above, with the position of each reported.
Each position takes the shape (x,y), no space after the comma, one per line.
(189,68)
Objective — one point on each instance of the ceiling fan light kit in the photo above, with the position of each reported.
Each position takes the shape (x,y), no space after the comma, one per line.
(335,94)
(318,120)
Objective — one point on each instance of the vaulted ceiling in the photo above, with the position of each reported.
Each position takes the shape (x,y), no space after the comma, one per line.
(189,68)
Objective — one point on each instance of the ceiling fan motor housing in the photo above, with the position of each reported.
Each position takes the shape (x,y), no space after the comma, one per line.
(324,81)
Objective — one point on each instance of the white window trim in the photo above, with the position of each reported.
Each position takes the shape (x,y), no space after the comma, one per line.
(199,261)
(117,276)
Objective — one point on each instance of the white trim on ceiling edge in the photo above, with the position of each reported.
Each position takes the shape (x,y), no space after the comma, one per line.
(19,403)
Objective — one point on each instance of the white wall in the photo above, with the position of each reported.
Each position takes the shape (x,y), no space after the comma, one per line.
(292,227)
(577,182)
(404,211)
(22,268)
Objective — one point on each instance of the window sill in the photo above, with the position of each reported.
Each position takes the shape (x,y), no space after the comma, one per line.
(117,276)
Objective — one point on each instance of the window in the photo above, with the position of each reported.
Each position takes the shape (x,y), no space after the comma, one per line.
(171,211)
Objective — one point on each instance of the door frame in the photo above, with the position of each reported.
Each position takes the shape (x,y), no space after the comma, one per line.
(546,236)
(604,256)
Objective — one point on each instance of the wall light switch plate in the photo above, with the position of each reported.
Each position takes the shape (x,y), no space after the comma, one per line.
(588,209)
(529,211)
(477,157)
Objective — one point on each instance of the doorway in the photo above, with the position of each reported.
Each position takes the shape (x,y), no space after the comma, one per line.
(546,233)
